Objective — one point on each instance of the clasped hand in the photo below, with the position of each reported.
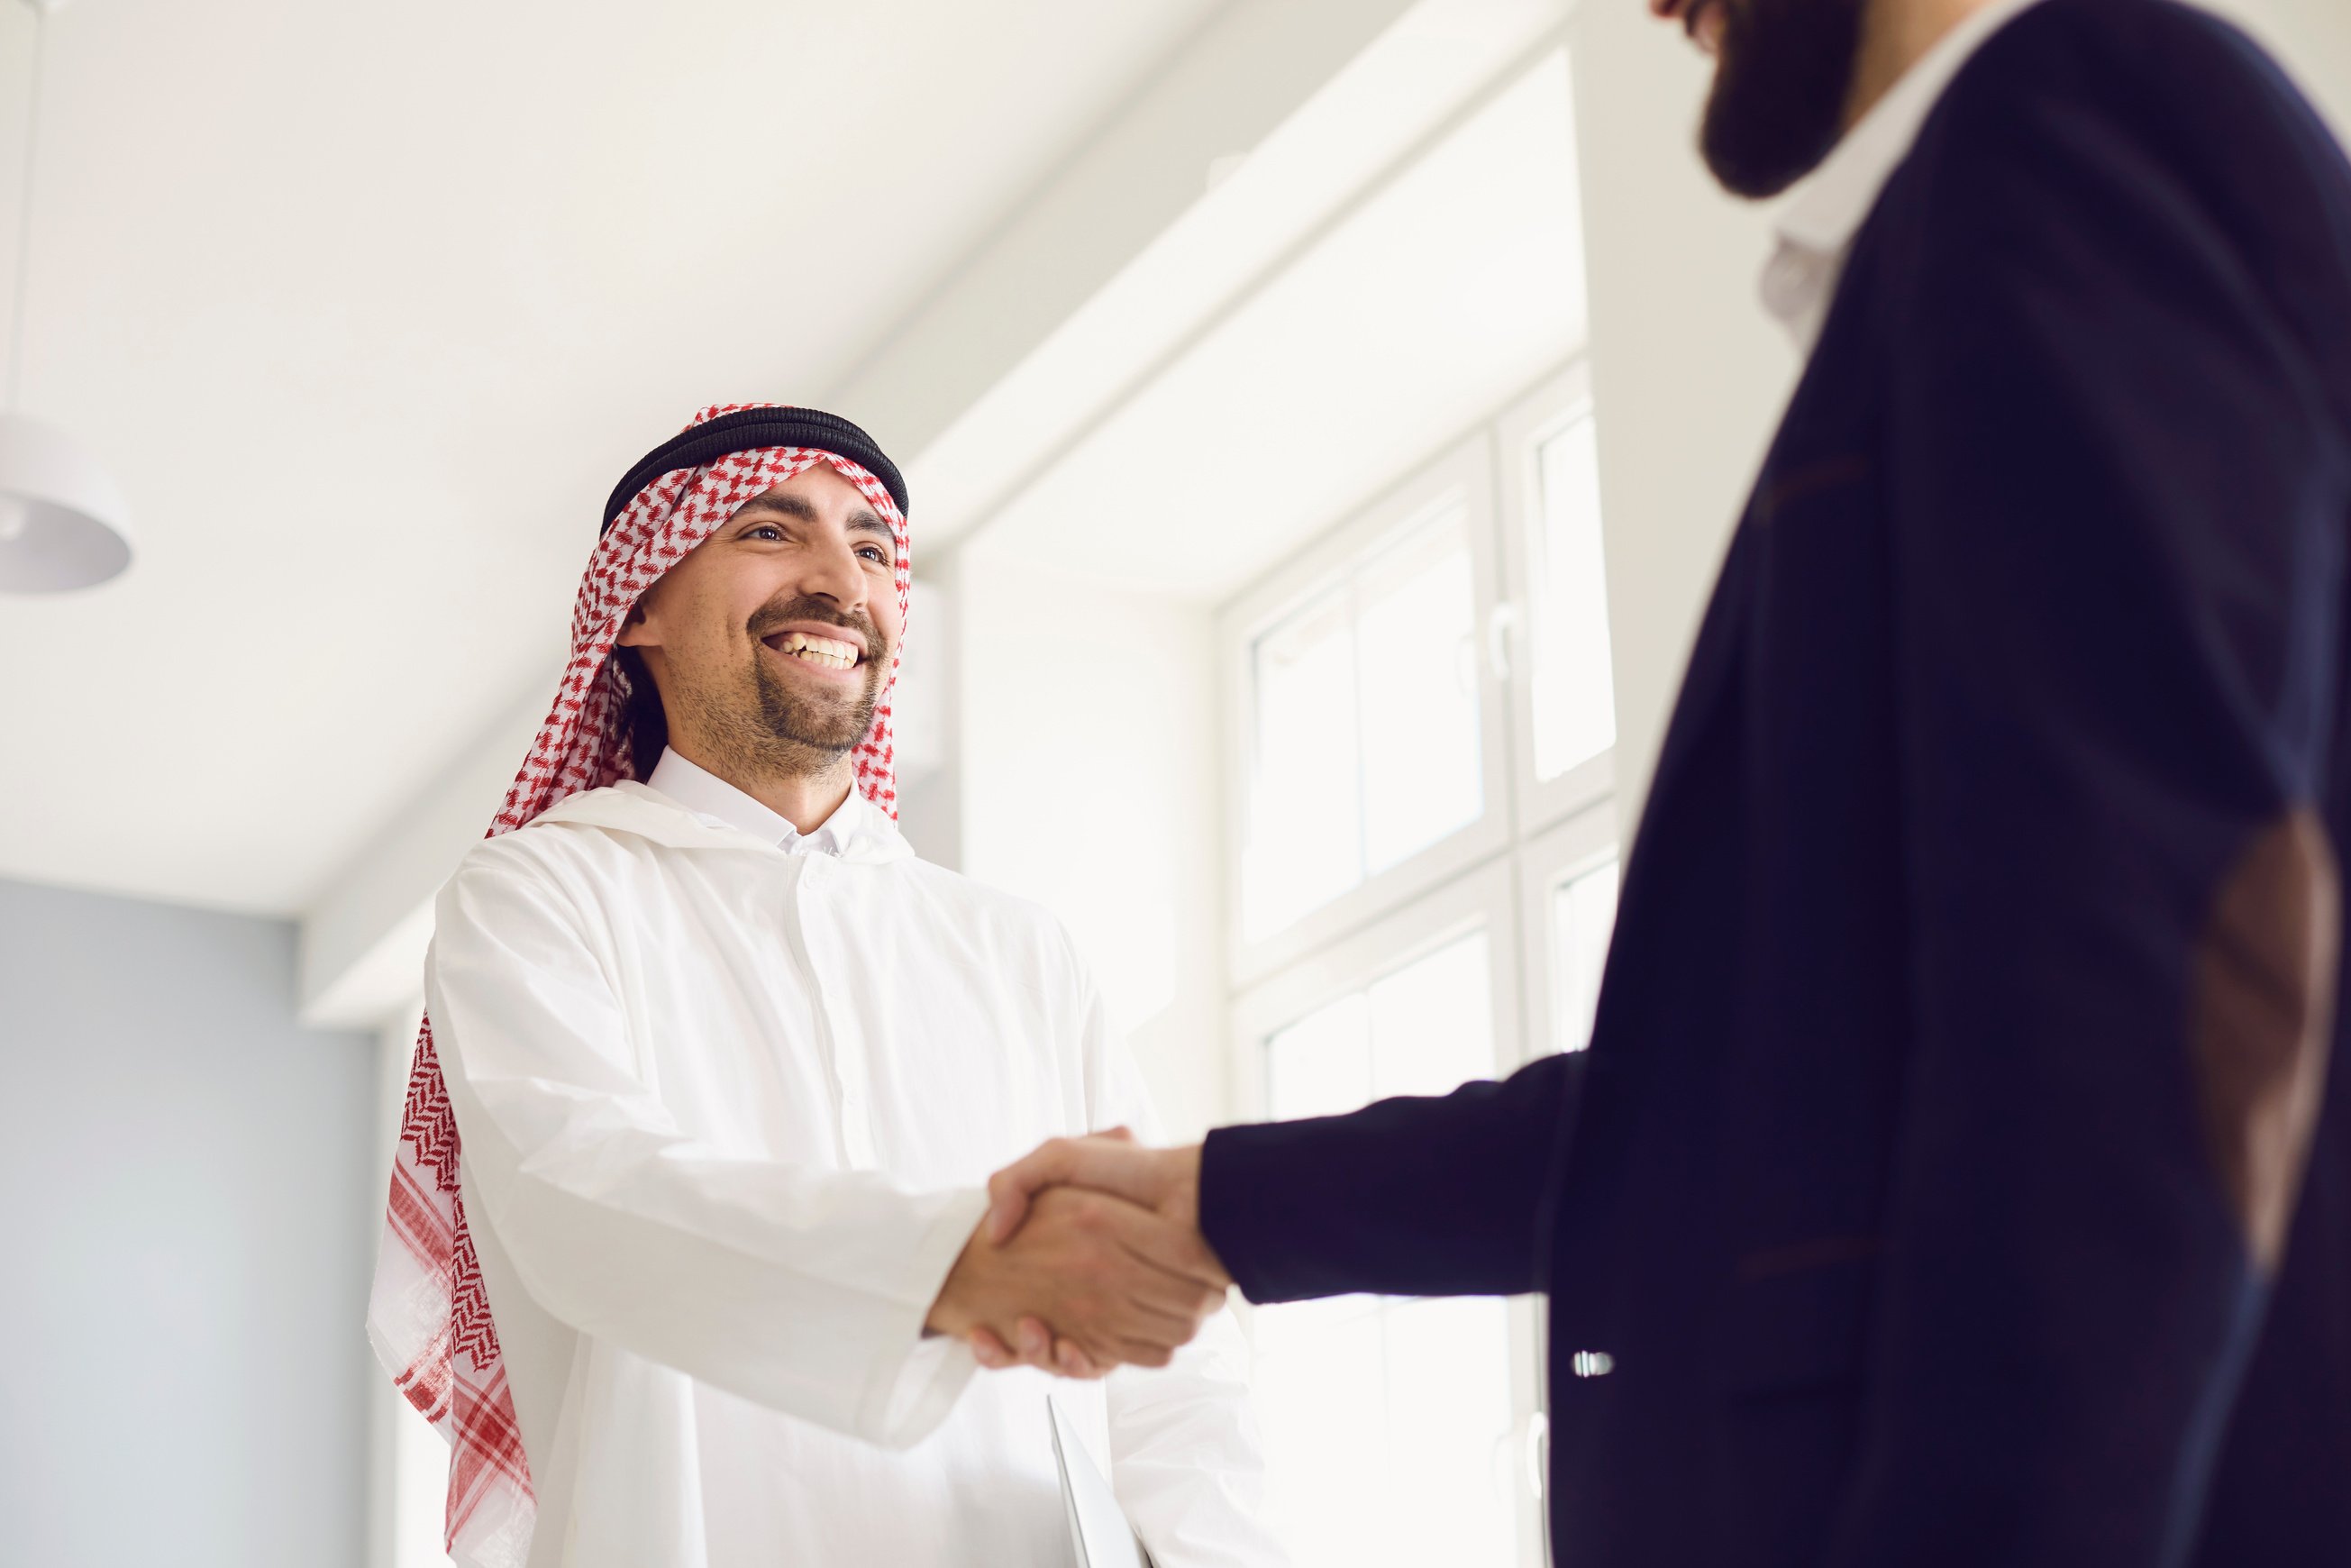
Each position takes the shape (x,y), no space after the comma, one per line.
(1090,1256)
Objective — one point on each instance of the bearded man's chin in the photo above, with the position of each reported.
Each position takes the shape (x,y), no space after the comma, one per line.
(812,724)
(1777,106)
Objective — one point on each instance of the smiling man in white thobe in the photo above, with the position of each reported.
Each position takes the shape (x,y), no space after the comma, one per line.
(729,1064)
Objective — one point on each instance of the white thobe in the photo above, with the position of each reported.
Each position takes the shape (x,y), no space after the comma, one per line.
(727,1095)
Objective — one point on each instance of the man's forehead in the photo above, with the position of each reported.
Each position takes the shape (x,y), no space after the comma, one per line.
(815,495)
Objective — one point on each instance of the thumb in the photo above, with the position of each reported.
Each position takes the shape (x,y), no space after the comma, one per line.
(1009,1189)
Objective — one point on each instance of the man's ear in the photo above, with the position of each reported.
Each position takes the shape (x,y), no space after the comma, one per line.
(634,633)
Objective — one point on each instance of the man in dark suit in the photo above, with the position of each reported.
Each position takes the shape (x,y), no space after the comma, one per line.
(1956,1176)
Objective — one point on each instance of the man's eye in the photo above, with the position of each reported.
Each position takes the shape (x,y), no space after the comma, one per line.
(873,552)
(762,530)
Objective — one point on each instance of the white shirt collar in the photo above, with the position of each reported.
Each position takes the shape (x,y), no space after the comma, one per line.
(1816,224)
(719,803)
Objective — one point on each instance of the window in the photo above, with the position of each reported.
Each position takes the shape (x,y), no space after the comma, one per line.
(1574,699)
(1583,913)
(1392,1426)
(1370,715)
(1567,878)
(1366,722)
(1395,1468)
(1425,867)
(1563,710)
(1424,1030)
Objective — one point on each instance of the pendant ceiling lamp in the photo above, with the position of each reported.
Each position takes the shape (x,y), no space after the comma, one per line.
(61,518)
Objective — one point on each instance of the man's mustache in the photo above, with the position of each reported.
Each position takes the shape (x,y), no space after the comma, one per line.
(778,613)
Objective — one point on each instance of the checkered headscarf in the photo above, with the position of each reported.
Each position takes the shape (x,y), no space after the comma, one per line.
(428,1315)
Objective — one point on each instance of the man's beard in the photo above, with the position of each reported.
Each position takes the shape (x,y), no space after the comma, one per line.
(769,724)
(1779,97)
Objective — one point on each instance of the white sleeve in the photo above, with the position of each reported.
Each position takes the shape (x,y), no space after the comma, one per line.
(804,1290)
(1187,1462)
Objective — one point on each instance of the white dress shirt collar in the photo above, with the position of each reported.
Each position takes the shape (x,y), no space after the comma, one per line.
(719,803)
(1817,226)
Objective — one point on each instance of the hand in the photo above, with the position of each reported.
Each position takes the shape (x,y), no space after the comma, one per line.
(1166,1181)
(1119,1283)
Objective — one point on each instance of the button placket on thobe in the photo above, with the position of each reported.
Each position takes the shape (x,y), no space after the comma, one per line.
(816,897)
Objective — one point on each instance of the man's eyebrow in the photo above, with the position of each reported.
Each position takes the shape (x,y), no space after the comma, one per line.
(798,507)
(790,506)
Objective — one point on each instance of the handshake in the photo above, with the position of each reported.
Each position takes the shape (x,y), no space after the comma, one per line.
(1090,1256)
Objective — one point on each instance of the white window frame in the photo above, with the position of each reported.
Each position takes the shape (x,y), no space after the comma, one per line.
(1484,897)
(1554,403)
(1466,467)
(1584,843)
(1498,873)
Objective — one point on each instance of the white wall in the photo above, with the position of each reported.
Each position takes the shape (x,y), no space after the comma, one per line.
(2312,39)
(1088,781)
(1689,375)
(185,1174)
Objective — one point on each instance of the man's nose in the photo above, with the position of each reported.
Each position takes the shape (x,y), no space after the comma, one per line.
(834,572)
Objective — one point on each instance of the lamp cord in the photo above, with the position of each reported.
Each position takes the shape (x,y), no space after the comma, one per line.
(25,210)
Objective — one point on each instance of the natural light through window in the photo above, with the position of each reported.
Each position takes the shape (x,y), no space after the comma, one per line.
(1367,728)
(1388,1423)
(1583,913)
(1574,701)
(1424,875)
(1421,1031)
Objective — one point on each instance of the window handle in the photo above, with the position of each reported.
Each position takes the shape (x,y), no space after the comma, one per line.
(1501,623)
(1538,1451)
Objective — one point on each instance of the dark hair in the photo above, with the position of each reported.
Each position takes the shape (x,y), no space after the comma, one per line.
(641,711)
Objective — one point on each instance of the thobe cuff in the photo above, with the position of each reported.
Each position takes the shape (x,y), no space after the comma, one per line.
(912,1390)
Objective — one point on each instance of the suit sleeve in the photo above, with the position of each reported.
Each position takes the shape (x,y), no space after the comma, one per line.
(2119,501)
(1438,1196)
(802,1289)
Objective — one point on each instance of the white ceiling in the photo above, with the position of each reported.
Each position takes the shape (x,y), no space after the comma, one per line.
(366,308)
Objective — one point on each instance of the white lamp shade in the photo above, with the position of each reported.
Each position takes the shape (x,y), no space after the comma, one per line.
(61,518)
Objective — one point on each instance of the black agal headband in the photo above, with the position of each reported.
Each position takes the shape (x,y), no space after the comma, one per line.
(749,430)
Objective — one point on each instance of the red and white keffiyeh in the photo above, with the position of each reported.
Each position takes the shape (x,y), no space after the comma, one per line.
(428,1315)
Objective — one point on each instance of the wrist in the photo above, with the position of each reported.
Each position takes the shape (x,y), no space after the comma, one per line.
(950,1312)
(1181,1203)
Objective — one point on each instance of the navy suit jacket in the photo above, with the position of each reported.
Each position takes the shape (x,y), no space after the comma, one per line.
(1956,1176)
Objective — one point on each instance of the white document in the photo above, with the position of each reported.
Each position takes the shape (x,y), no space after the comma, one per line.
(1098,1529)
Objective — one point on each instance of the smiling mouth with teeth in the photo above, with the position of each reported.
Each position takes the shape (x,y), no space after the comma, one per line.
(826,652)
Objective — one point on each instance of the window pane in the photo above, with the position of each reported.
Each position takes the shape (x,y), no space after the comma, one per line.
(1573,696)
(1416,643)
(1366,724)
(1582,915)
(1322,1405)
(1449,1422)
(1431,1023)
(1305,809)
(1321,1064)
(1388,1423)
(1388,1432)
